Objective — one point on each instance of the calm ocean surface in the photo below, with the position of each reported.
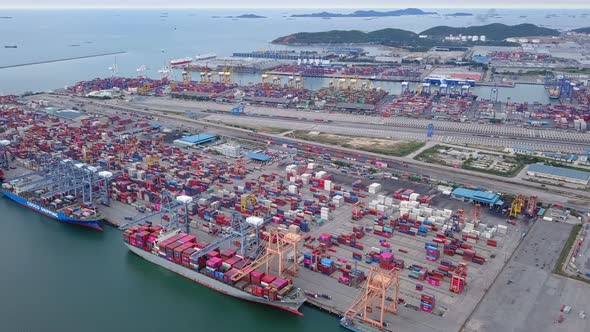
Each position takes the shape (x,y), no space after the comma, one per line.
(151,40)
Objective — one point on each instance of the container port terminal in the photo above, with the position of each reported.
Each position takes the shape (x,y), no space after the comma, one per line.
(424,250)
(428,208)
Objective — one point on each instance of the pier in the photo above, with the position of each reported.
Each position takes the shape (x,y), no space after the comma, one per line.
(61,60)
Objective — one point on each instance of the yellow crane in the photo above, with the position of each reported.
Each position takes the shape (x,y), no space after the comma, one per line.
(516,207)
(246,201)
(186,76)
(152,160)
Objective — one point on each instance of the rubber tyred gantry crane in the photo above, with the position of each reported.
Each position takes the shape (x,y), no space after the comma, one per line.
(459,279)
(531,208)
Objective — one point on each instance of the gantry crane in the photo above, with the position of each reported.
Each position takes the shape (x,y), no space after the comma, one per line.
(381,285)
(173,211)
(67,177)
(265,78)
(280,246)
(186,75)
(247,200)
(152,160)
(459,279)
(4,153)
(531,208)
(476,218)
(517,205)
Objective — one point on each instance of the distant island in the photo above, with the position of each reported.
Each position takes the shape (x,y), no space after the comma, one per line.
(368,13)
(495,33)
(6,17)
(459,14)
(246,16)
(582,30)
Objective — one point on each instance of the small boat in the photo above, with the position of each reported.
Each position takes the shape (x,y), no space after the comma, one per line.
(10,46)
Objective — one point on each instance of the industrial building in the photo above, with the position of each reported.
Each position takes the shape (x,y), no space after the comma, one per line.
(231,150)
(477,196)
(194,140)
(258,157)
(559,173)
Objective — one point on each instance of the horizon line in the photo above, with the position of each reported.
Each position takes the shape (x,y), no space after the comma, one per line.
(537,7)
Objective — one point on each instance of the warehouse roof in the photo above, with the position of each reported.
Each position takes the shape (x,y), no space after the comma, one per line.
(477,195)
(560,171)
(258,156)
(198,138)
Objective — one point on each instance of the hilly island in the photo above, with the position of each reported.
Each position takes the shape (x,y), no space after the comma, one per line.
(495,33)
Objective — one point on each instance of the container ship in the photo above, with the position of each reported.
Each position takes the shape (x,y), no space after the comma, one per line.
(63,209)
(180,62)
(217,269)
(208,56)
(438,80)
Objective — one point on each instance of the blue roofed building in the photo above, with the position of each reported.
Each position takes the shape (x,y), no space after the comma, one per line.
(258,157)
(195,140)
(477,196)
(559,174)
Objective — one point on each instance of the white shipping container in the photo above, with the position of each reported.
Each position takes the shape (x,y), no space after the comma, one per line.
(414,197)
(381,199)
(320,174)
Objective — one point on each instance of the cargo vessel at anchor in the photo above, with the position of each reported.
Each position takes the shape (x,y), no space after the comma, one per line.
(216,270)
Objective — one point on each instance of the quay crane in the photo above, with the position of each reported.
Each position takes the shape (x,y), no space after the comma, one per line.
(381,286)
(66,176)
(170,213)
(4,153)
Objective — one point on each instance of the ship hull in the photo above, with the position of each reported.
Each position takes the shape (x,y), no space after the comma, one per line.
(292,307)
(58,216)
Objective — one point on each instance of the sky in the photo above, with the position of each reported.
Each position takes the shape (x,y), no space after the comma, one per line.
(292,4)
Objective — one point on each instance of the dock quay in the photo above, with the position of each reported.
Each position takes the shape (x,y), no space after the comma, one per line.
(62,59)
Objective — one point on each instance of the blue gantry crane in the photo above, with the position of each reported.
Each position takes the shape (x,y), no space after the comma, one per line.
(67,177)
(4,153)
(243,235)
(172,213)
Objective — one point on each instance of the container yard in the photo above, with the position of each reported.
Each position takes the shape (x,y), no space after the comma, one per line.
(426,256)
(321,68)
